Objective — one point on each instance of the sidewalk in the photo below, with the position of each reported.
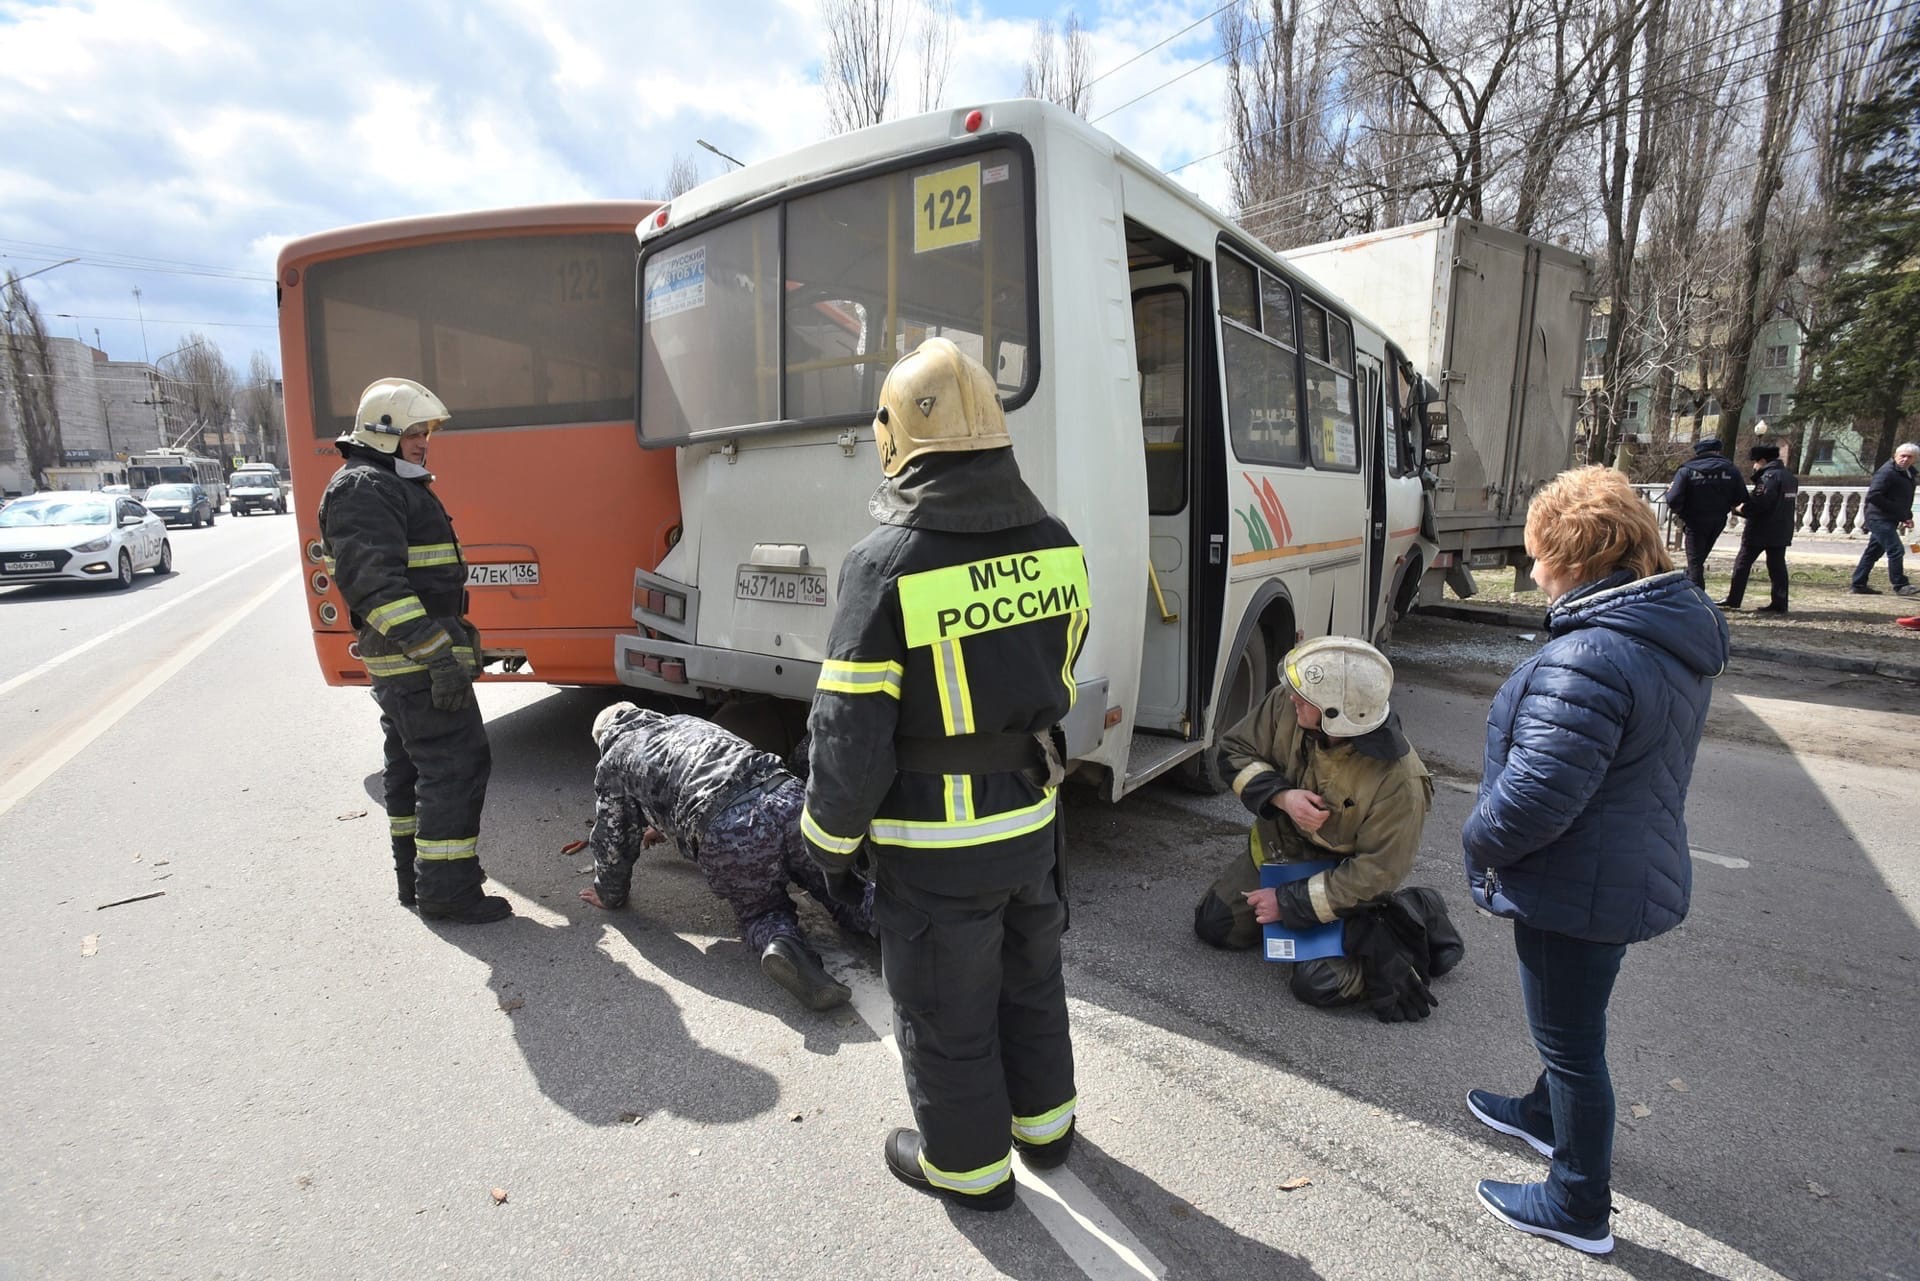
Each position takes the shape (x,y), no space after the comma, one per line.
(1828,628)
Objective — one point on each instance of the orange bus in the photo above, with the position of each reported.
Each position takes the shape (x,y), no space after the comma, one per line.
(522,322)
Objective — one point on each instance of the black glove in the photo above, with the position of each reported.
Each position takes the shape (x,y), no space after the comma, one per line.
(1390,945)
(844,887)
(452,683)
(1296,906)
(479,659)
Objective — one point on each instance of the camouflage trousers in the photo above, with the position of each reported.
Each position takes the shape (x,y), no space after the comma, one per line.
(752,852)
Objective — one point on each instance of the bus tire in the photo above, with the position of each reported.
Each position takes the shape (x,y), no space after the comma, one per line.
(1248,681)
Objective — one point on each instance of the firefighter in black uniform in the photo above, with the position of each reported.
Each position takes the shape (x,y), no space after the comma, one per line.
(949,665)
(393,552)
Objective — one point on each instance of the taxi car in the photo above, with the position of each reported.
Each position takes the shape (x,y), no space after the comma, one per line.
(80,537)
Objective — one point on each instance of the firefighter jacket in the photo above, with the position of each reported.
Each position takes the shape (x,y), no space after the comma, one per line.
(673,773)
(955,630)
(1377,792)
(392,550)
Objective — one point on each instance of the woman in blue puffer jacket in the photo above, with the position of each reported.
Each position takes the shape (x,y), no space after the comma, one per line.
(1579,832)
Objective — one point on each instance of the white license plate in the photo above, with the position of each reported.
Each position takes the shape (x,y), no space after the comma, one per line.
(519,573)
(27,566)
(790,588)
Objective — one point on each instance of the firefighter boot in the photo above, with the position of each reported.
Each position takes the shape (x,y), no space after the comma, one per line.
(1445,947)
(792,964)
(903,1162)
(488,907)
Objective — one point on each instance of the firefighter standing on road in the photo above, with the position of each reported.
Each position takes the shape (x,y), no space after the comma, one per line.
(396,560)
(949,664)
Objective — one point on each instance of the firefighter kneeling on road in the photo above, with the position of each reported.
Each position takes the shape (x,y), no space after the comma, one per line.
(393,553)
(1328,774)
(949,665)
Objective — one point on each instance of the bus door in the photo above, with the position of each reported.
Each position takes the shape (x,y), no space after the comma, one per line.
(1163,325)
(1373,455)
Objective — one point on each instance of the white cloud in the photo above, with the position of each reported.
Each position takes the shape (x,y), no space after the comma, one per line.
(210,131)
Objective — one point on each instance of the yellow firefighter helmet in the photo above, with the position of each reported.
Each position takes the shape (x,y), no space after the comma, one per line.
(390,408)
(937,399)
(1347,679)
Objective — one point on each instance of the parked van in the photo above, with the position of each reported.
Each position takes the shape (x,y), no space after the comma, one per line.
(257,487)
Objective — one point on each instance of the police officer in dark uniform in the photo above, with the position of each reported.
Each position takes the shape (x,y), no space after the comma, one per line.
(949,664)
(393,553)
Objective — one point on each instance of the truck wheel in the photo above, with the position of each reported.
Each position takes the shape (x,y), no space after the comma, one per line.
(1247,683)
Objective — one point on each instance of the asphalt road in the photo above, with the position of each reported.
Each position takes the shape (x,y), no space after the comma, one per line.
(274,1071)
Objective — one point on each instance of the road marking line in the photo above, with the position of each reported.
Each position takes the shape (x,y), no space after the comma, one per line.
(1092,1235)
(1724,860)
(16,682)
(17,788)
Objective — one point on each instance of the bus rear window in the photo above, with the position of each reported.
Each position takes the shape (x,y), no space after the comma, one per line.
(795,312)
(515,331)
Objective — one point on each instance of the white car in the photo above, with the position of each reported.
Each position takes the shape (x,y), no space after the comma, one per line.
(80,537)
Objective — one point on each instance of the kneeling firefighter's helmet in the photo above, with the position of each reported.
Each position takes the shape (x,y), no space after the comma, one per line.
(392,407)
(937,399)
(1347,679)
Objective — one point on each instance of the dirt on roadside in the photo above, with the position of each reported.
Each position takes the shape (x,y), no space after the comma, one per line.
(1871,720)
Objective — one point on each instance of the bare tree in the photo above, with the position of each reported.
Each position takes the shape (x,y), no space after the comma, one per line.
(935,47)
(863,56)
(29,369)
(1059,70)
(207,384)
(683,175)
(262,410)
(1284,165)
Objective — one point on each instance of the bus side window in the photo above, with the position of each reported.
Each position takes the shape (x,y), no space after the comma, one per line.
(1160,349)
(1263,392)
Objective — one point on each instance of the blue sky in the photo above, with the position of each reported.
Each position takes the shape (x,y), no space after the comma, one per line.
(175,145)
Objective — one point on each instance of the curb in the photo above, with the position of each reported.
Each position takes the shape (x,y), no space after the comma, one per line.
(1536,620)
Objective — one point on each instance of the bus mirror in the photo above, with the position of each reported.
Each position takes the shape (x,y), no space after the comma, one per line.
(1439,448)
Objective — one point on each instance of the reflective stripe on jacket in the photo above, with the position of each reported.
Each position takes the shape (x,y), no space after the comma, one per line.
(392,550)
(942,634)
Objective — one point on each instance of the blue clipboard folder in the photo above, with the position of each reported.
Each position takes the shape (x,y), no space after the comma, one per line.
(1288,946)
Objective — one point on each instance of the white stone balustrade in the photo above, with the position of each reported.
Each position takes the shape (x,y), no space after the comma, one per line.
(1823,511)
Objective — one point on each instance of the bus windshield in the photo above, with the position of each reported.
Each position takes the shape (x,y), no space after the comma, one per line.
(510,331)
(793,312)
(147,477)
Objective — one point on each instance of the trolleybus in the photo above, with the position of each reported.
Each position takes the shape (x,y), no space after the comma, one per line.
(1235,449)
(522,322)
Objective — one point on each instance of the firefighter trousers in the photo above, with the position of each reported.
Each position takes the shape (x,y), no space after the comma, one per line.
(437,764)
(980,1014)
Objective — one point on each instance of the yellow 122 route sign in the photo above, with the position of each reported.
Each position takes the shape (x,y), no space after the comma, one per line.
(946,208)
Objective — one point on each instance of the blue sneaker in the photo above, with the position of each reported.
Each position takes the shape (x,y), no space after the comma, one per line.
(1503,1113)
(1527,1206)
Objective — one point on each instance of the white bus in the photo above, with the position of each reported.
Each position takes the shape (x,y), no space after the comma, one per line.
(1237,452)
(176,466)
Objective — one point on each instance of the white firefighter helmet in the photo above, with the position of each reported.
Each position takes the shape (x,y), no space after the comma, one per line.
(937,399)
(391,407)
(1347,679)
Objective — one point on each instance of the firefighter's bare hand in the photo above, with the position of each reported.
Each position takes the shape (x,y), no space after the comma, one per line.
(1305,808)
(1266,905)
(651,837)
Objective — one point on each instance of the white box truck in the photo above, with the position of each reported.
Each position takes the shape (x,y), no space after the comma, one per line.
(1496,322)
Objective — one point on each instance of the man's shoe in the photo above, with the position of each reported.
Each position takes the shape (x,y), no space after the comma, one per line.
(1906,589)
(1503,1113)
(1861,589)
(903,1160)
(1046,1156)
(1527,1206)
(490,907)
(1773,609)
(792,964)
(1728,604)
(1911,624)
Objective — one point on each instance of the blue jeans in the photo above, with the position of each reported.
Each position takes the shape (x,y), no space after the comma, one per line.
(1566,983)
(1882,536)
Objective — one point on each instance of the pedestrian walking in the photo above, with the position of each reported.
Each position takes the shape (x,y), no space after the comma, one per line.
(1579,830)
(1768,529)
(393,553)
(734,811)
(949,665)
(1704,492)
(1888,514)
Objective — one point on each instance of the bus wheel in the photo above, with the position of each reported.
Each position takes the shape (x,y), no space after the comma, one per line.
(1247,683)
